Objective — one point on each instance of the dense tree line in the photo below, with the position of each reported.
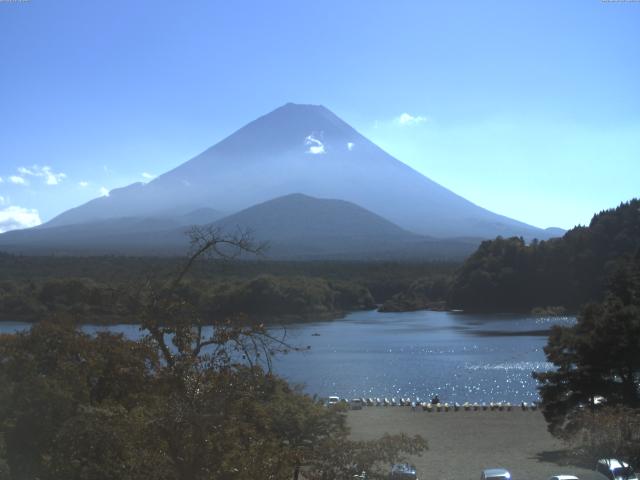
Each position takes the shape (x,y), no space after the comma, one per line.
(265,296)
(424,293)
(383,278)
(509,275)
(104,289)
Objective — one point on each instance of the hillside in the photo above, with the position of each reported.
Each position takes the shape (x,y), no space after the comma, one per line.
(510,275)
(299,226)
(294,226)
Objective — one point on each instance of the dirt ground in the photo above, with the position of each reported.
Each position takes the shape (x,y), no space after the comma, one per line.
(462,444)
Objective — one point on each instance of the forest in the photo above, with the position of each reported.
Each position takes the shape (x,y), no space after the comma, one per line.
(106,289)
(507,274)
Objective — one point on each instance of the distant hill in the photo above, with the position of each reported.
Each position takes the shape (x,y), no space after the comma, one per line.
(301,149)
(298,224)
(509,275)
(295,226)
(301,226)
(123,235)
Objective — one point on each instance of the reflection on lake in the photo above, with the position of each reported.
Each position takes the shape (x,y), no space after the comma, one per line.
(461,357)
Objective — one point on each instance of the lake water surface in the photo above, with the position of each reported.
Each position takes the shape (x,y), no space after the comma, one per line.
(461,357)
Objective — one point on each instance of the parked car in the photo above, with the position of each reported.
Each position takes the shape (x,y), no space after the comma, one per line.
(615,469)
(356,404)
(403,471)
(495,474)
(564,477)
(333,401)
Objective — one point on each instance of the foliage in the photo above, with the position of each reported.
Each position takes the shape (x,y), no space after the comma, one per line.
(509,275)
(106,289)
(195,399)
(597,357)
(424,293)
(611,432)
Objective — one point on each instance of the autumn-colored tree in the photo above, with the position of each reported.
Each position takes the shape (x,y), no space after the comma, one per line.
(194,399)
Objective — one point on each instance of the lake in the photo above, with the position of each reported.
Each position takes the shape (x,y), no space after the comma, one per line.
(460,357)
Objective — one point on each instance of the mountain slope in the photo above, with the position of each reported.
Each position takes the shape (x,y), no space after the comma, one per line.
(295,226)
(126,235)
(299,225)
(307,149)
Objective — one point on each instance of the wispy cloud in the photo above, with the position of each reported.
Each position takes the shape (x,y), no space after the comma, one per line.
(104,191)
(148,176)
(406,119)
(14,217)
(1,180)
(2,200)
(83,184)
(314,146)
(350,146)
(46,172)
(17,180)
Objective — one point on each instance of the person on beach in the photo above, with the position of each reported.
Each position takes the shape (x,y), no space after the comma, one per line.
(435,400)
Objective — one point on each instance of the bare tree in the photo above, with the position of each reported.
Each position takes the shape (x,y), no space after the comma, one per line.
(177,326)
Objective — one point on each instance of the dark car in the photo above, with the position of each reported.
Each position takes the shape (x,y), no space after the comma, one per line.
(615,469)
(403,471)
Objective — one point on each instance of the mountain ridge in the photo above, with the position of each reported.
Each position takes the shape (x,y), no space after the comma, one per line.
(295,226)
(293,155)
(274,155)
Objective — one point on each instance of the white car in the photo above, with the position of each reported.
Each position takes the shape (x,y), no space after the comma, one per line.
(615,469)
(495,474)
(564,477)
(333,401)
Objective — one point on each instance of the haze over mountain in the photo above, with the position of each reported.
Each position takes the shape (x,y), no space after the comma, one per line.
(377,203)
(295,226)
(301,226)
(302,149)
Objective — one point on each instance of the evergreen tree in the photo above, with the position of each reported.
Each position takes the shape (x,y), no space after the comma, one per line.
(597,358)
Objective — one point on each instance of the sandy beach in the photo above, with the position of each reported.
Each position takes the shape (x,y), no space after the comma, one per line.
(462,444)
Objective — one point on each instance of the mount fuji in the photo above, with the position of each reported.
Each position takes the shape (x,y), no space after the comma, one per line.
(295,149)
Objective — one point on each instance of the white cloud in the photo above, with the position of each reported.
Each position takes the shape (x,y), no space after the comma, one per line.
(315,146)
(83,184)
(104,192)
(1,180)
(148,176)
(406,119)
(2,200)
(350,145)
(50,177)
(14,217)
(17,180)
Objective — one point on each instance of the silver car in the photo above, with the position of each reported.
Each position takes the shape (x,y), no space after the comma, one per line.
(495,474)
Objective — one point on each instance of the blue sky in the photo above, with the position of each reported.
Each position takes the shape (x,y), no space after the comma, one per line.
(530,109)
